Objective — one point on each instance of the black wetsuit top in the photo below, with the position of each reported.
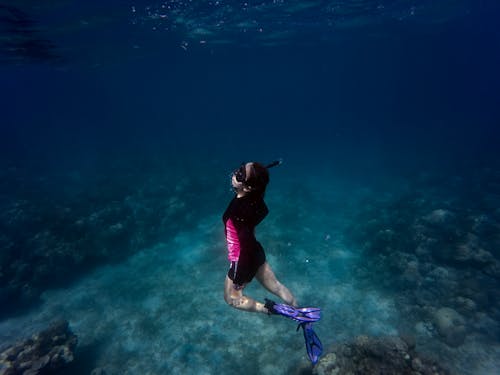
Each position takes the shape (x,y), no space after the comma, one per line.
(244,251)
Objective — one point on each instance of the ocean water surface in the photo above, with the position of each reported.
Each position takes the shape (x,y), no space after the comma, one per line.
(122,122)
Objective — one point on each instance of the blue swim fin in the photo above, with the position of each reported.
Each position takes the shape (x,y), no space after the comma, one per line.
(313,344)
(299,314)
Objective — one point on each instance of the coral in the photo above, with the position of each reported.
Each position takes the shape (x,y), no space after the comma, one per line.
(376,355)
(450,325)
(47,351)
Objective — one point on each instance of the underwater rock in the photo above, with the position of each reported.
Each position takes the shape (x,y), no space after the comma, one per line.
(450,325)
(45,352)
(411,275)
(439,217)
(441,283)
(486,325)
(485,227)
(472,253)
(98,371)
(376,355)
(465,305)
(493,269)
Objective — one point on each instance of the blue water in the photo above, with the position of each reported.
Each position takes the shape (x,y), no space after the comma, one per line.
(121,123)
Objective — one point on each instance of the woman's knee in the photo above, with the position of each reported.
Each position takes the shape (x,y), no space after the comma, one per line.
(229,300)
(227,296)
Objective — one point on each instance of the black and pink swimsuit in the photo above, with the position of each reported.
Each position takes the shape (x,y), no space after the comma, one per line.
(244,251)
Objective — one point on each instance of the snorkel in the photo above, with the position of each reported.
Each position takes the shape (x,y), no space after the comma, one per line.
(274,163)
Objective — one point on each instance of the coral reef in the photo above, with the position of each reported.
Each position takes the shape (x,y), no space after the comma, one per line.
(45,352)
(374,355)
(434,247)
(57,228)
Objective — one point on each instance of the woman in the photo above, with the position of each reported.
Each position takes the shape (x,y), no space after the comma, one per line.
(248,260)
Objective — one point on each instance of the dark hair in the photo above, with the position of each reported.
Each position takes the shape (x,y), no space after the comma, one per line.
(257,179)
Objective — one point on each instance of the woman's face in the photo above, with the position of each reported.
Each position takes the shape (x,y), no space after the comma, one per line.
(239,176)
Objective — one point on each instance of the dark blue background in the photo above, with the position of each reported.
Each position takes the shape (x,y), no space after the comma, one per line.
(413,97)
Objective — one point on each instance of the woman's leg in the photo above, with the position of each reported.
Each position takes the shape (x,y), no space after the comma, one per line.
(266,277)
(235,298)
